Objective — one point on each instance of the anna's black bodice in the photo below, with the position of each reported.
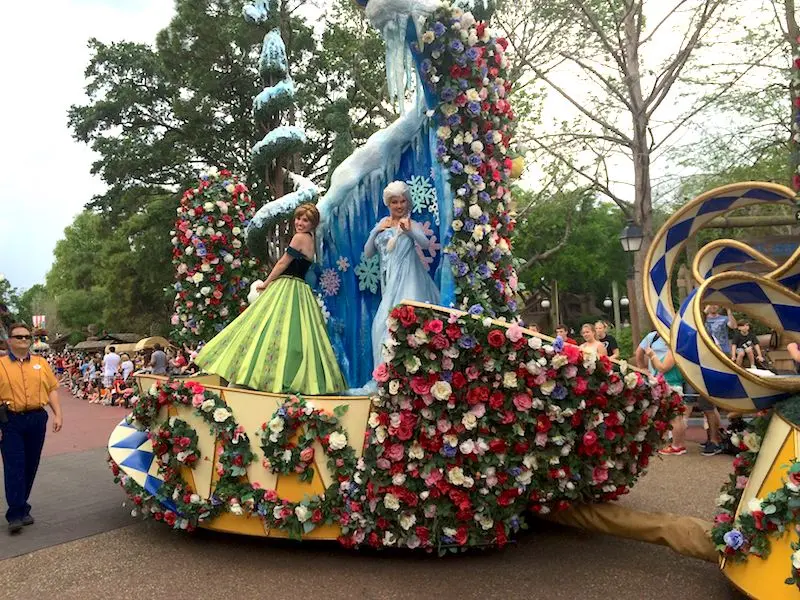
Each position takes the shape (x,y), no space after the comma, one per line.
(299,265)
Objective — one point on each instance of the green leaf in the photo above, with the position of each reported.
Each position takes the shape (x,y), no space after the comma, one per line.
(341,410)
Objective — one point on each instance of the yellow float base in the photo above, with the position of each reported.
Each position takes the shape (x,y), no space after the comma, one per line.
(763,579)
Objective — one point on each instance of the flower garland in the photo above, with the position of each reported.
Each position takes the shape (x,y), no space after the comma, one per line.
(466,68)
(175,442)
(213,268)
(737,538)
(794,83)
(476,423)
(284,457)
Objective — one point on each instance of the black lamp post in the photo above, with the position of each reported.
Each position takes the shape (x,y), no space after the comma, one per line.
(631,239)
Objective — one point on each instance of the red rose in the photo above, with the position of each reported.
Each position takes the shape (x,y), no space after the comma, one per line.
(453,332)
(498,446)
(433,326)
(522,402)
(543,424)
(439,342)
(459,380)
(507,497)
(590,438)
(580,386)
(316,516)
(478,394)
(462,534)
(170,518)
(497,400)
(496,338)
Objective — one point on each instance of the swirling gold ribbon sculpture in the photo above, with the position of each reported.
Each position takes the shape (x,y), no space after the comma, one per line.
(723,273)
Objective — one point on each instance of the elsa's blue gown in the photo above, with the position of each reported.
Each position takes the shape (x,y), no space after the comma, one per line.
(403,276)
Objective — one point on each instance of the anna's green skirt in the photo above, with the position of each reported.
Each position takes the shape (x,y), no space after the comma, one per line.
(279,344)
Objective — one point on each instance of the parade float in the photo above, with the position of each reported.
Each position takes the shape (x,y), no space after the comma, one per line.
(476,421)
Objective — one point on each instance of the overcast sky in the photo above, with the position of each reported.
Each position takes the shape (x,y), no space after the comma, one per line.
(45,179)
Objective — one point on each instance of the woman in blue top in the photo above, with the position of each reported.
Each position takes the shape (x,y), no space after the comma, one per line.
(403,276)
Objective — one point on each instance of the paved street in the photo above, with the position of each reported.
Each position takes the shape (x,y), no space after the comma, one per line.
(85,545)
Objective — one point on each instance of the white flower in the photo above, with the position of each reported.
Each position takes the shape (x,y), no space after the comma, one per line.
(534,343)
(467,446)
(469,421)
(276,425)
(389,539)
(441,390)
(547,387)
(407,520)
(236,509)
(456,225)
(236,231)
(752,441)
(228,258)
(197,277)
(485,521)
(558,361)
(398,479)
(509,379)
(394,387)
(207,405)
(416,452)
(208,206)
(754,505)
(221,415)
(475,211)
(724,499)
(456,476)
(391,502)
(412,364)
(302,513)
(631,379)
(337,440)
(796,559)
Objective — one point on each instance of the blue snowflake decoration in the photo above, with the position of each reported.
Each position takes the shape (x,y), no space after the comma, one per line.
(330,282)
(368,271)
(423,196)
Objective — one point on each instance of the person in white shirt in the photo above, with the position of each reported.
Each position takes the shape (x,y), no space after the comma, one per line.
(110,367)
(126,366)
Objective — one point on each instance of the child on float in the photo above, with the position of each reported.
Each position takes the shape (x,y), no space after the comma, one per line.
(280,343)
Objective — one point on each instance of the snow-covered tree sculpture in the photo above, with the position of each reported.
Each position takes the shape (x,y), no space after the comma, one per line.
(213,269)
(275,152)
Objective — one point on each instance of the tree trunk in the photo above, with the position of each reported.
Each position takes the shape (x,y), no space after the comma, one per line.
(643,193)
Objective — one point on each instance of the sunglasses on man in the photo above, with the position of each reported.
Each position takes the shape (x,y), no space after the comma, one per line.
(22,337)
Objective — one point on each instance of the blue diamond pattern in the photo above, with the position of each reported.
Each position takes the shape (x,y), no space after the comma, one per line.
(767,401)
(714,205)
(658,274)
(791,282)
(762,194)
(687,301)
(663,315)
(152,484)
(748,292)
(722,385)
(678,233)
(788,315)
(133,441)
(731,255)
(138,461)
(686,345)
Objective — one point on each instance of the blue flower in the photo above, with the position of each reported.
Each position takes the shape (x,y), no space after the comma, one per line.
(461,268)
(476,180)
(734,539)
(473,54)
(425,66)
(438,29)
(512,305)
(484,271)
(483,220)
(456,167)
(496,255)
(498,286)
(456,46)
(449,451)
(448,94)
(469,225)
(467,342)
(514,471)
(484,197)
(558,345)
(514,524)
(489,137)
(463,84)
(457,211)
(559,392)
(474,108)
(460,61)
(475,309)
(453,120)
(475,160)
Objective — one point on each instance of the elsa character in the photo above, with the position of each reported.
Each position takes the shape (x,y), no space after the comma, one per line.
(403,275)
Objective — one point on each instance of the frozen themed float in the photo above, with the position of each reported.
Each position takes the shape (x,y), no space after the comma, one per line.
(473,421)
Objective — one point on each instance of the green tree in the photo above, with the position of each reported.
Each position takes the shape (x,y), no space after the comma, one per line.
(571,238)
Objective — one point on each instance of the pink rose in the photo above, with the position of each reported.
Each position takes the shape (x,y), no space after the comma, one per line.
(197,400)
(307,454)
(514,333)
(420,385)
(395,452)
(381,373)
(523,402)
(472,373)
(599,475)
(741,482)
